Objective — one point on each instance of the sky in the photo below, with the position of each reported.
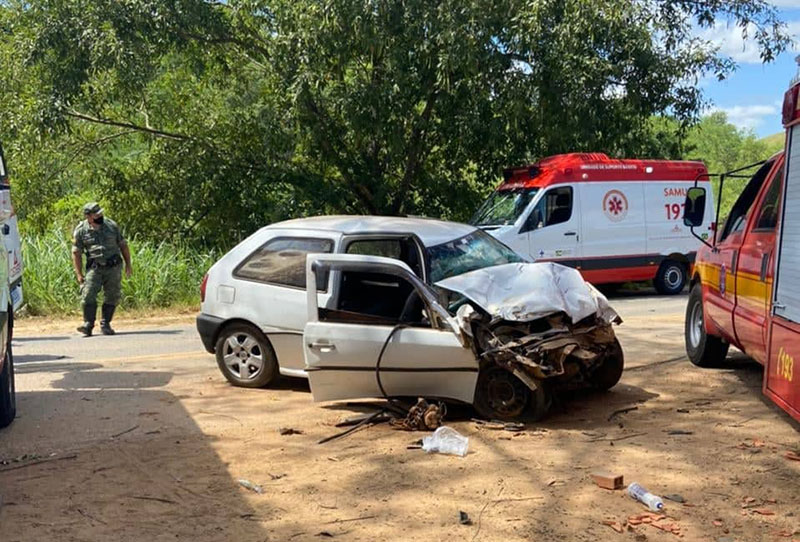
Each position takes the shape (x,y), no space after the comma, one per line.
(752,96)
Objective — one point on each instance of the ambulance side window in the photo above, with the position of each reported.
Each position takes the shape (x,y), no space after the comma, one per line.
(555,207)
(768,214)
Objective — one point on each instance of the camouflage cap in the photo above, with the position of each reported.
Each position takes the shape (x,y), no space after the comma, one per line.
(92,208)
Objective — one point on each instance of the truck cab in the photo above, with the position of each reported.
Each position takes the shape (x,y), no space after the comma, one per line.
(8,405)
(732,281)
(744,289)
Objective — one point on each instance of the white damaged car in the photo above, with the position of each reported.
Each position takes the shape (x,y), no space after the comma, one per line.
(406,307)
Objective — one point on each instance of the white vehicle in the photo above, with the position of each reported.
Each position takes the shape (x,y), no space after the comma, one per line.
(11,239)
(613,220)
(404,307)
(8,405)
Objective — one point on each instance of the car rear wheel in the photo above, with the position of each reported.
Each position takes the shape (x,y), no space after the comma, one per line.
(8,396)
(608,373)
(502,396)
(704,350)
(245,356)
(671,278)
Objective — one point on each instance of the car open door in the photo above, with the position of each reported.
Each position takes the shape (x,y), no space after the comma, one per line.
(383,333)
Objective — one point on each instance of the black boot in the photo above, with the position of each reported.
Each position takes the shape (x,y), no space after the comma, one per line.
(105,323)
(89,314)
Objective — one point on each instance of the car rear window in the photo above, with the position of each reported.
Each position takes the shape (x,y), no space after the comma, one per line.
(282,261)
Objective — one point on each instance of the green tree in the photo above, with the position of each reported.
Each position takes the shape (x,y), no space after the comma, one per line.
(206,119)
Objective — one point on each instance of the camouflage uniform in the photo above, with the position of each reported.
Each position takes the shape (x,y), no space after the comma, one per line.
(102,248)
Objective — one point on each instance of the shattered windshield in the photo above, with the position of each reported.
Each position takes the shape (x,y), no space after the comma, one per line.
(474,251)
(503,207)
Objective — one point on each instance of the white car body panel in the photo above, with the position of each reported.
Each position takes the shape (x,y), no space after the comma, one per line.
(341,358)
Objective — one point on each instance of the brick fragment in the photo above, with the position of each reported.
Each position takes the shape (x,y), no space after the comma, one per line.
(607,480)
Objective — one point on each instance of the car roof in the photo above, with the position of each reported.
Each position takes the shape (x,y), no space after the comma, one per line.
(430,231)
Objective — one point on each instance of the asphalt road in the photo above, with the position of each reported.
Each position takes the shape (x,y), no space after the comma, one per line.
(179,347)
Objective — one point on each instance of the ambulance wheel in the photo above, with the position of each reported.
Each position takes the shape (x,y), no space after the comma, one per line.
(671,278)
(704,350)
(245,356)
(502,396)
(608,373)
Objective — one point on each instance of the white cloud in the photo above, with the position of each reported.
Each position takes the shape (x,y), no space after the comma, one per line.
(749,116)
(728,37)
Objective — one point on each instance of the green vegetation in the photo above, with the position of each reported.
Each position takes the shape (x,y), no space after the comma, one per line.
(194,122)
(164,275)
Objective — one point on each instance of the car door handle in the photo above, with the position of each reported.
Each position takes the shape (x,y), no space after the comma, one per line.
(571,233)
(323,347)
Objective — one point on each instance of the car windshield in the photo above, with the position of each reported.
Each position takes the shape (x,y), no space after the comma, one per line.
(503,207)
(474,251)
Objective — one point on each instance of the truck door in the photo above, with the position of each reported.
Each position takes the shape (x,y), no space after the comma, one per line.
(754,272)
(782,371)
(718,272)
(553,227)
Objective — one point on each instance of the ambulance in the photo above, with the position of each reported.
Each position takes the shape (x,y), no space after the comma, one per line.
(745,289)
(613,220)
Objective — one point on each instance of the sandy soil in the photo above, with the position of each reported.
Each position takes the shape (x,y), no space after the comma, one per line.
(144,449)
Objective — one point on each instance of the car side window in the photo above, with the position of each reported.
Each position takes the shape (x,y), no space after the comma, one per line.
(282,261)
(376,298)
(398,248)
(555,207)
(768,214)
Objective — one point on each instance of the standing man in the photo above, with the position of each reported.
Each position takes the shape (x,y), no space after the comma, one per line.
(105,248)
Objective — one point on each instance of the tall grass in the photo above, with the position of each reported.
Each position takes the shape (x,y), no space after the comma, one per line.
(164,275)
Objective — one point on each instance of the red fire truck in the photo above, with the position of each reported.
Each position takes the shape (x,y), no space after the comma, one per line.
(745,288)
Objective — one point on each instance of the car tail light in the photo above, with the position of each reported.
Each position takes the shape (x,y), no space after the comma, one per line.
(713,226)
(203,288)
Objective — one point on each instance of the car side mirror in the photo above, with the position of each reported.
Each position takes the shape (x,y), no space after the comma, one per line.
(695,207)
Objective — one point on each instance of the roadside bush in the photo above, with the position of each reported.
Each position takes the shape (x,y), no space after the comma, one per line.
(165,275)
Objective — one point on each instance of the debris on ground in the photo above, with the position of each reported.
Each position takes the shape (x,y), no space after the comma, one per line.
(607,480)
(639,493)
(423,416)
(763,511)
(617,526)
(289,431)
(675,497)
(446,440)
(792,456)
(679,432)
(463,518)
(247,484)
(621,411)
(499,425)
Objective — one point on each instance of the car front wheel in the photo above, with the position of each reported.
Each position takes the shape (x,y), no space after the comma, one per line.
(245,356)
(704,350)
(502,396)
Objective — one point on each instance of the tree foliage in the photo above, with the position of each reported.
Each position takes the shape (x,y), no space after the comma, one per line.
(206,119)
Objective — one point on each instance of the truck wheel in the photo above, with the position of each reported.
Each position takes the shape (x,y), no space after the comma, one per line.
(704,350)
(608,373)
(502,396)
(8,396)
(245,356)
(671,278)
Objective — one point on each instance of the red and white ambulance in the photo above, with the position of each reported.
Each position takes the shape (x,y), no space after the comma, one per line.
(614,220)
(745,290)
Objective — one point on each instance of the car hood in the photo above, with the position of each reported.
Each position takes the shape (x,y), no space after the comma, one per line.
(522,292)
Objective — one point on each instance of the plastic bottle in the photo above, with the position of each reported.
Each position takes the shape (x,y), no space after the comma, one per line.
(446,440)
(639,493)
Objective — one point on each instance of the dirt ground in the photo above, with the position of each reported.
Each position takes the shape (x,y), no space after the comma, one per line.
(150,446)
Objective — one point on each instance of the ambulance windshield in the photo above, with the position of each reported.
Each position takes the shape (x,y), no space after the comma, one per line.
(503,207)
